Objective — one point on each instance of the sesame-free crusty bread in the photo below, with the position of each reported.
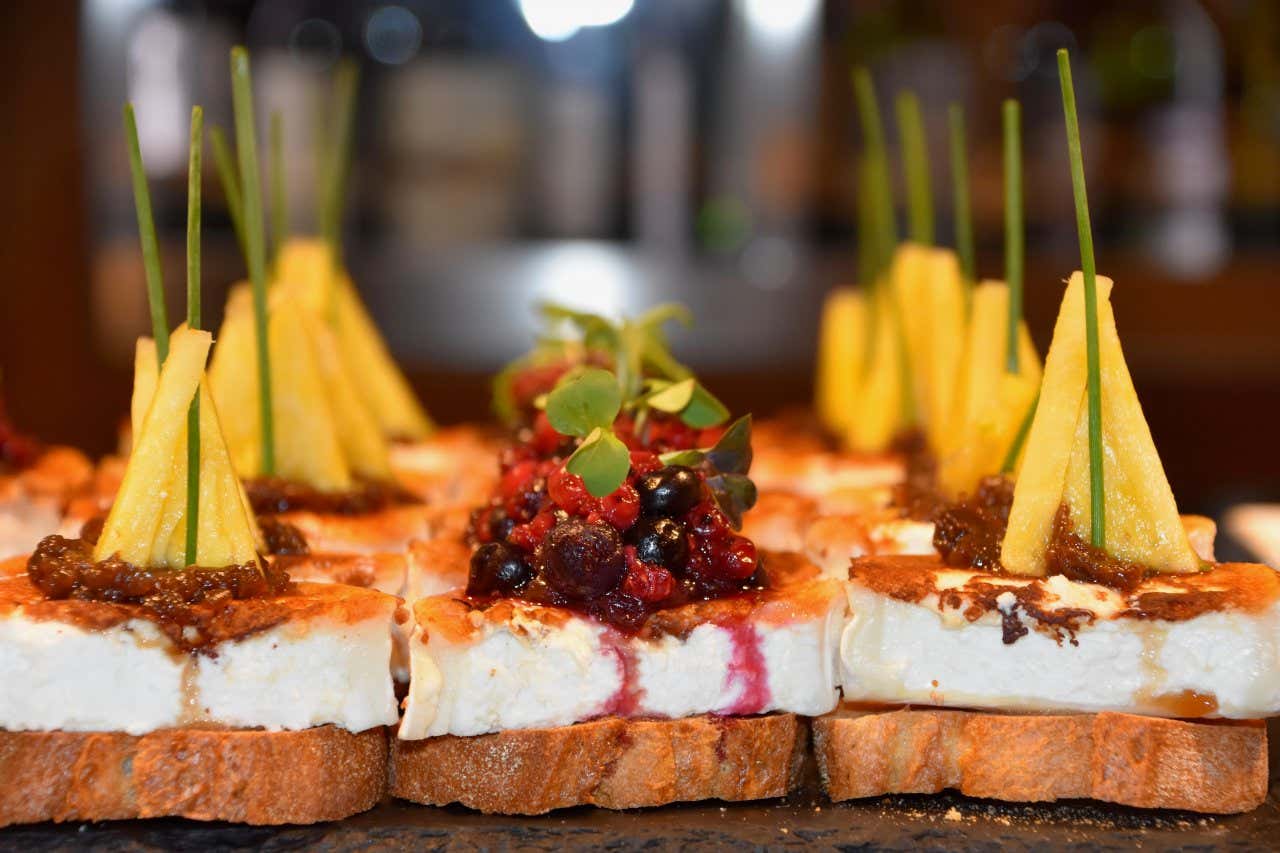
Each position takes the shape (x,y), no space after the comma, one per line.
(1148,762)
(612,763)
(243,776)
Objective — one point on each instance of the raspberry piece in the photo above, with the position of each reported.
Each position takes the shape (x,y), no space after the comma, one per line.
(622,507)
(568,491)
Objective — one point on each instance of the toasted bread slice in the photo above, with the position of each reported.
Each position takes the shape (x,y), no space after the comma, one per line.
(612,763)
(1148,762)
(240,775)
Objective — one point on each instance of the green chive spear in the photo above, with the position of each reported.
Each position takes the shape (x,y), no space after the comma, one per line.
(279,210)
(147,234)
(193,322)
(229,178)
(1013,231)
(1013,262)
(251,196)
(915,163)
(877,169)
(960,194)
(1097,497)
(337,167)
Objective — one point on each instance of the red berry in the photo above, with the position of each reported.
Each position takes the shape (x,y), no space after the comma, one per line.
(738,561)
(643,462)
(518,477)
(567,490)
(527,536)
(646,582)
(622,507)
(545,438)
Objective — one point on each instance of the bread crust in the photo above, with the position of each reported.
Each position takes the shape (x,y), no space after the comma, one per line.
(612,763)
(1147,762)
(240,775)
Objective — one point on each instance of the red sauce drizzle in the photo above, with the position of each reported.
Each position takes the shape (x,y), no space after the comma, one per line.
(625,702)
(747,669)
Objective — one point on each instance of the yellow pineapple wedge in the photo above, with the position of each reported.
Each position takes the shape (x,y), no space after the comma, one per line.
(927,284)
(147,522)
(308,448)
(386,391)
(990,404)
(882,395)
(842,352)
(1142,519)
(307,265)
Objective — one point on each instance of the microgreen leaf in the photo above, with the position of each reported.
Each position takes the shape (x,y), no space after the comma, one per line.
(602,461)
(673,396)
(732,453)
(735,493)
(584,401)
(688,458)
(704,409)
(656,316)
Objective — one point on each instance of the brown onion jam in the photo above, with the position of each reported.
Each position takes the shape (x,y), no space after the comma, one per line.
(280,537)
(64,568)
(1078,560)
(917,496)
(969,533)
(269,495)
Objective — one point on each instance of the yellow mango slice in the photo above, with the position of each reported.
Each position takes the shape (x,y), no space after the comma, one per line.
(930,294)
(308,446)
(1142,521)
(363,444)
(384,388)
(989,404)
(146,373)
(307,265)
(842,352)
(147,523)
(879,414)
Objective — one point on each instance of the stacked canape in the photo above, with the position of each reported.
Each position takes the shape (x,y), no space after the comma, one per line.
(617,642)
(36,484)
(162,665)
(1079,644)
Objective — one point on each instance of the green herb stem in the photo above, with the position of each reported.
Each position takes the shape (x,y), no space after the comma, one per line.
(279,209)
(229,177)
(193,322)
(1013,229)
(251,193)
(915,163)
(881,188)
(960,193)
(338,167)
(1019,439)
(1097,497)
(147,234)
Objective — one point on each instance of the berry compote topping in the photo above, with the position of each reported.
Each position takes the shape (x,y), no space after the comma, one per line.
(658,541)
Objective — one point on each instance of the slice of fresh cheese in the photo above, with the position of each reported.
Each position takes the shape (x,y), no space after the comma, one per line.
(1193,645)
(1141,515)
(513,665)
(316,656)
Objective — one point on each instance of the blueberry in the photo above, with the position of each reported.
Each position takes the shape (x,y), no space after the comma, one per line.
(497,567)
(582,560)
(500,524)
(660,541)
(670,491)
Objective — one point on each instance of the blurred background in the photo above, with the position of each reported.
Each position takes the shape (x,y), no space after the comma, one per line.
(615,153)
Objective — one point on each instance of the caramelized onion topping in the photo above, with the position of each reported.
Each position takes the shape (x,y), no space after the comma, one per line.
(269,495)
(64,568)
